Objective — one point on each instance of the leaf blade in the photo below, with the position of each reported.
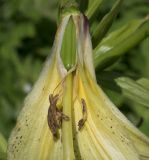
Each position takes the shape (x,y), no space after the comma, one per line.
(119,42)
(92,7)
(133,90)
(106,22)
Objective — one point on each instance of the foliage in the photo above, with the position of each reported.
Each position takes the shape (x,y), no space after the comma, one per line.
(3,147)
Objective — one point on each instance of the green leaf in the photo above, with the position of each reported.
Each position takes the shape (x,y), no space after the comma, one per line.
(142,112)
(119,42)
(34,9)
(83,4)
(92,7)
(133,90)
(137,91)
(106,79)
(3,147)
(144,82)
(139,59)
(106,23)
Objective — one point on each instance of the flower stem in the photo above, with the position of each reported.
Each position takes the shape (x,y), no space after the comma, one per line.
(67,136)
(67,6)
(66,3)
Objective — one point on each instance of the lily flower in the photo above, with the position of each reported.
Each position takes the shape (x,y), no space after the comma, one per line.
(67,116)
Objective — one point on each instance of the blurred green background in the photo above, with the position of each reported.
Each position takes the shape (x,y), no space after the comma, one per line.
(27,29)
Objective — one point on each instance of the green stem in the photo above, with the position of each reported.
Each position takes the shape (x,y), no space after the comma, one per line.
(67,136)
(63,2)
(67,6)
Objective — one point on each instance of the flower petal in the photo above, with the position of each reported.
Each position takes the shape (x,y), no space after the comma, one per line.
(107,124)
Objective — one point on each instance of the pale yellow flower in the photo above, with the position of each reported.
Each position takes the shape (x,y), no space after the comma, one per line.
(95,128)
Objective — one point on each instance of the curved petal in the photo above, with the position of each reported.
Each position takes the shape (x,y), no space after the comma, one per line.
(109,127)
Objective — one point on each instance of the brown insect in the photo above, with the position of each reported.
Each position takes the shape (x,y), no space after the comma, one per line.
(84,111)
(55,115)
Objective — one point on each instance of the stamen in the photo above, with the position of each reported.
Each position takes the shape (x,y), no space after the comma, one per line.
(59,84)
(84,112)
